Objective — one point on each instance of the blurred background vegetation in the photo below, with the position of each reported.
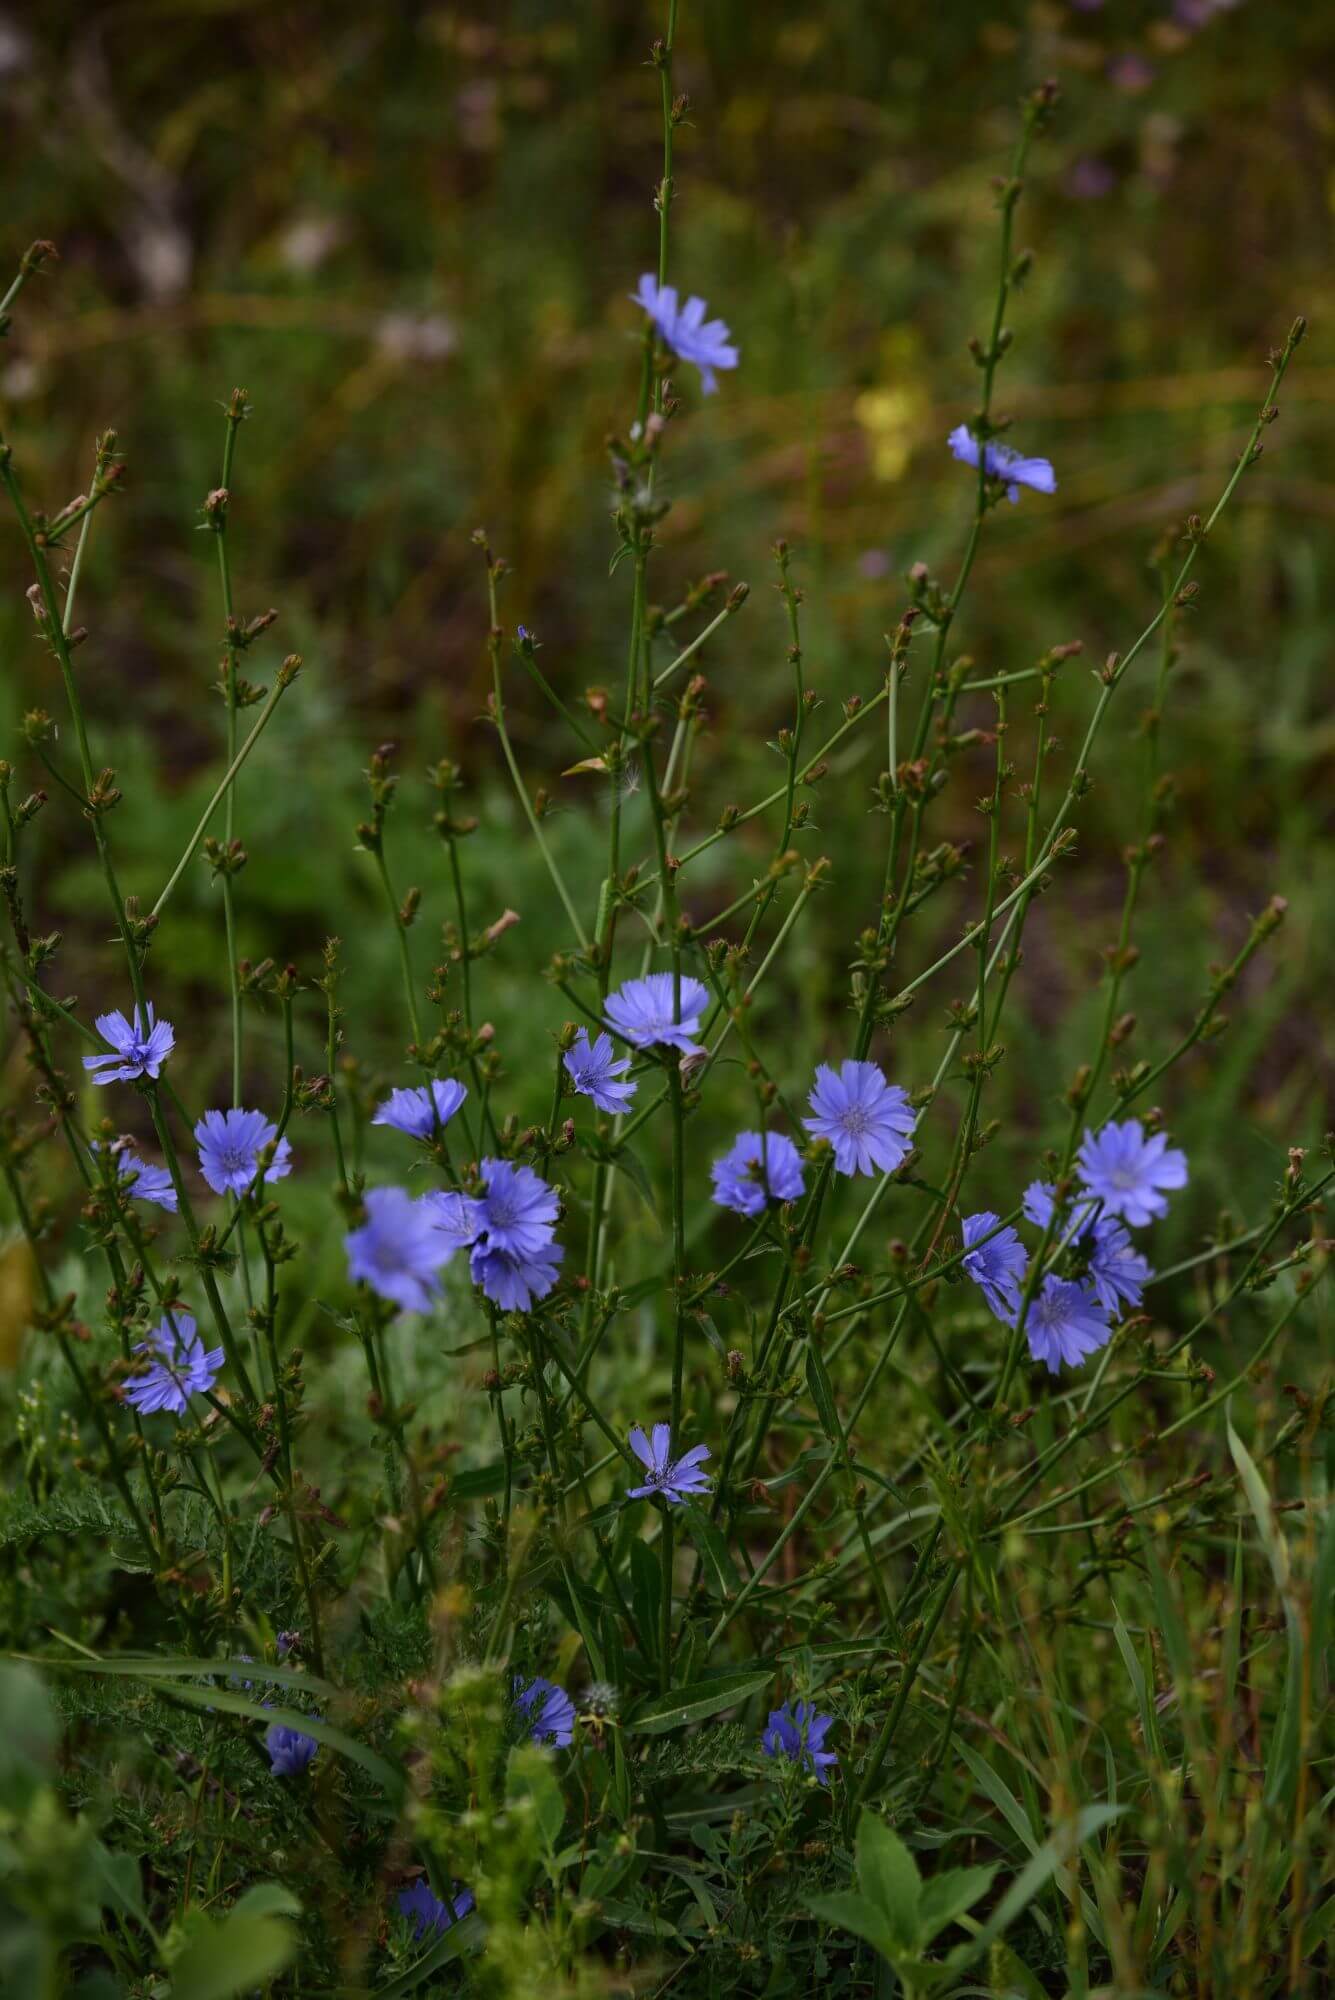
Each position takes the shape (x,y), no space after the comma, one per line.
(410,232)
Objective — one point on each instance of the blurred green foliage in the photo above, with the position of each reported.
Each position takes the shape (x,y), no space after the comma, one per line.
(411,236)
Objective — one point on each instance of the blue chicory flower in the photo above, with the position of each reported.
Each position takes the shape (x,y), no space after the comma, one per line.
(1001,462)
(140,1048)
(518,1210)
(1127,1172)
(593,1071)
(1065,1323)
(997,1267)
(1117,1271)
(547,1710)
(399,1249)
(428,1912)
(181,1366)
(139,1179)
(706,344)
(456,1217)
(290,1750)
(420,1112)
(645,1013)
(230,1144)
(515,1280)
(147,1182)
(757,1168)
(797,1733)
(673,1480)
(867,1120)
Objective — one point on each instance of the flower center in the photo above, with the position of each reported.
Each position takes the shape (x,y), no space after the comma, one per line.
(855,1121)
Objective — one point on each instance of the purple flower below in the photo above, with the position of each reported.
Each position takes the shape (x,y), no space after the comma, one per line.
(593,1070)
(427,1911)
(1117,1271)
(181,1367)
(399,1249)
(1000,462)
(1065,1324)
(290,1750)
(419,1112)
(645,1013)
(706,344)
(796,1732)
(1129,1173)
(547,1710)
(757,1168)
(230,1144)
(515,1280)
(140,1048)
(997,1267)
(673,1480)
(867,1120)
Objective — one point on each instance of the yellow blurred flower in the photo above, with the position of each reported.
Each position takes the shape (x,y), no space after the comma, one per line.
(16,1296)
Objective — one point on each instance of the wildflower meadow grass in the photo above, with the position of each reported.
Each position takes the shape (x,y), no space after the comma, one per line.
(707,1459)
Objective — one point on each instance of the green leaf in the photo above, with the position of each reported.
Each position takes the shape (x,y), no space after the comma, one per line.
(29,1732)
(848,1912)
(947,1896)
(889,1880)
(464,1936)
(1283,1750)
(386,1775)
(154,1666)
(822,1394)
(696,1702)
(267,1899)
(117,1880)
(636,1173)
(1052,1855)
(529,1778)
(233,1958)
(717,1565)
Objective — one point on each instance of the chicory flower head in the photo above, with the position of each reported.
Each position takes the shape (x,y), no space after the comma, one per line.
(1117,1271)
(181,1366)
(997,1267)
(594,1072)
(1065,1323)
(428,1912)
(518,1210)
(420,1112)
(1003,463)
(673,1480)
(645,1013)
(230,1143)
(1128,1173)
(399,1249)
(706,344)
(145,1182)
(547,1710)
(141,1047)
(797,1733)
(757,1168)
(515,1280)
(867,1120)
(456,1217)
(290,1750)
